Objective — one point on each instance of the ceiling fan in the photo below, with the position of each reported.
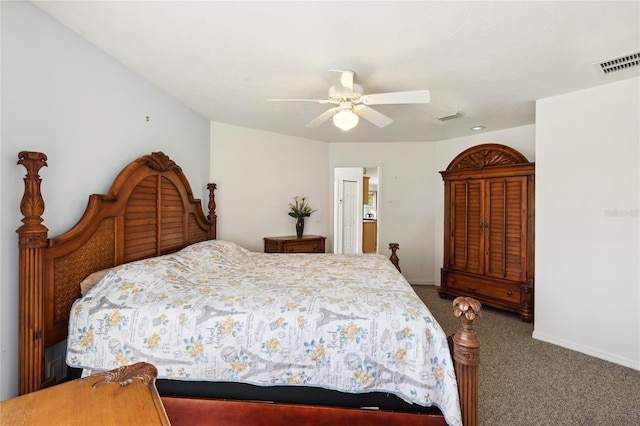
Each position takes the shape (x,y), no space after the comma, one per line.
(351,103)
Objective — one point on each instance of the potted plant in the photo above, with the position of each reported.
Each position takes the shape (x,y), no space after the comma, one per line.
(300,209)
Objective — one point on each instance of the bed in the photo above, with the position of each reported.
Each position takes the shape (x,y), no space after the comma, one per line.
(149,231)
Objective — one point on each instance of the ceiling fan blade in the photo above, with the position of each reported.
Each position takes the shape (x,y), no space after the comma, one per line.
(342,81)
(411,97)
(323,117)
(372,115)
(319,101)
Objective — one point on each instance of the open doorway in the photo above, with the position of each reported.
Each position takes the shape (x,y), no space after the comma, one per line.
(356,219)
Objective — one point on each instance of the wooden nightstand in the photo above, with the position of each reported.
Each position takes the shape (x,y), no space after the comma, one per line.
(79,403)
(293,244)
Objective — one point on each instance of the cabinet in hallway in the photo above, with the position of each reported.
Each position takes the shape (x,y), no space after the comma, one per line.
(369,236)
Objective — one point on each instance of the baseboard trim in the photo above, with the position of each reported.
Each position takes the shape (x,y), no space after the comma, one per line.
(626,362)
(423,282)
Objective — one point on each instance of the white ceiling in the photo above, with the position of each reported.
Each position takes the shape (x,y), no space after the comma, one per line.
(488,60)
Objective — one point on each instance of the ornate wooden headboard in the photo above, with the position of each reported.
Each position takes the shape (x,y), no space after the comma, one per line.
(149,211)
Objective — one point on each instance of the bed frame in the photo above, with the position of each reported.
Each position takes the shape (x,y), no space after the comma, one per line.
(149,211)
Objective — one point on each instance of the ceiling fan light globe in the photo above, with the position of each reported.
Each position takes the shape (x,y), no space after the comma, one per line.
(345,120)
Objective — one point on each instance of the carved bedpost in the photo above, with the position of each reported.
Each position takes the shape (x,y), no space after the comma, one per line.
(32,243)
(466,358)
(394,257)
(212,209)
(125,375)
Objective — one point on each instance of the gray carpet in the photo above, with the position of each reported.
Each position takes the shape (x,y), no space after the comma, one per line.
(528,382)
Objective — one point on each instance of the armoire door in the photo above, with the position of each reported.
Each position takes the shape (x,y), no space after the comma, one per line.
(505,227)
(467,243)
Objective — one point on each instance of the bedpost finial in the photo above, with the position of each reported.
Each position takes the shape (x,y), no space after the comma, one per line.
(32,161)
(213,218)
(32,203)
(125,375)
(394,256)
(467,306)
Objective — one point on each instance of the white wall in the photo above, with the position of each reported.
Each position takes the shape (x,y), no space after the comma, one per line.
(587,243)
(64,97)
(411,206)
(405,213)
(2,320)
(258,173)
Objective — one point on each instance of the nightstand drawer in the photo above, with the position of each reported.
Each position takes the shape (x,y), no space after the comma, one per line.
(304,247)
(306,244)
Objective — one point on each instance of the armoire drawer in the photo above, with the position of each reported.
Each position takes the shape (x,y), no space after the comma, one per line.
(476,285)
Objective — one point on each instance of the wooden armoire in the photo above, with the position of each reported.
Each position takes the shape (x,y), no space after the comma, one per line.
(489,228)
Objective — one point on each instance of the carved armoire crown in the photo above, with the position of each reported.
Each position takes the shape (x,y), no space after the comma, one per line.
(489,228)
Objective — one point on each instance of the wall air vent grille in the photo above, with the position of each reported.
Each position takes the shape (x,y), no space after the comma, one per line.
(449,116)
(621,63)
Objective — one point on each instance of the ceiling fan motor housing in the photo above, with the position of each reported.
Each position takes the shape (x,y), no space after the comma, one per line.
(345,94)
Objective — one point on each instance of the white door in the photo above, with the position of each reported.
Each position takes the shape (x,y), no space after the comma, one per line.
(348,210)
(351,206)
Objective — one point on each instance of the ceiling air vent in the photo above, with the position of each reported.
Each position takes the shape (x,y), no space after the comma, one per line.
(449,116)
(621,63)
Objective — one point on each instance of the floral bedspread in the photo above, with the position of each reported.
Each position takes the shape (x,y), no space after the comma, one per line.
(215,311)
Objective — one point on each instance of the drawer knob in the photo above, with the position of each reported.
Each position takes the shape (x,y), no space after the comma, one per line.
(509,293)
(453,281)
